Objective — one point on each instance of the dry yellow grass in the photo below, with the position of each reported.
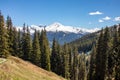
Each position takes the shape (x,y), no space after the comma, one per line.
(17,69)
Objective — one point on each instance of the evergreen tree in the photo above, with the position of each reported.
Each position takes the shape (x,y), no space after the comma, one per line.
(15,42)
(60,60)
(10,34)
(55,57)
(28,45)
(117,57)
(119,33)
(4,52)
(106,39)
(19,54)
(115,36)
(36,55)
(70,61)
(101,56)
(92,64)
(66,61)
(111,61)
(74,75)
(82,67)
(45,51)
(98,57)
(23,41)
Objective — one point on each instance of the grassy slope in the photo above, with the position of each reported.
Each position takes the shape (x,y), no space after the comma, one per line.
(17,69)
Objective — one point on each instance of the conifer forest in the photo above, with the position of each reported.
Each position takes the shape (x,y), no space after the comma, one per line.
(70,60)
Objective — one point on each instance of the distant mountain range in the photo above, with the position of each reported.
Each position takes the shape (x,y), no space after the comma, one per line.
(61,33)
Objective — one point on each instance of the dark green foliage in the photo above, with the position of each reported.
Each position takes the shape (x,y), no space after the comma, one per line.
(70,61)
(117,73)
(85,43)
(117,63)
(111,61)
(55,57)
(91,74)
(98,57)
(19,54)
(101,55)
(119,33)
(115,36)
(23,42)
(10,34)
(45,51)
(3,38)
(36,55)
(66,60)
(66,73)
(15,43)
(26,43)
(74,75)
(82,67)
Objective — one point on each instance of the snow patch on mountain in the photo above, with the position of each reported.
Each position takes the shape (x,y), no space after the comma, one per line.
(60,32)
(57,27)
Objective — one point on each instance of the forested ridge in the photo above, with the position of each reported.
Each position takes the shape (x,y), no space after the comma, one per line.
(103,63)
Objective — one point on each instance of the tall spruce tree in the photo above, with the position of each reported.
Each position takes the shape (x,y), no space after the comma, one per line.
(60,60)
(15,42)
(4,52)
(111,61)
(92,64)
(54,57)
(115,36)
(66,61)
(70,61)
(23,41)
(74,75)
(10,34)
(19,54)
(117,57)
(82,67)
(45,51)
(106,40)
(119,33)
(28,45)
(98,57)
(101,55)
(36,55)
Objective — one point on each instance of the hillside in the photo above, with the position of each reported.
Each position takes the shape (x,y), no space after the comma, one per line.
(16,69)
(85,43)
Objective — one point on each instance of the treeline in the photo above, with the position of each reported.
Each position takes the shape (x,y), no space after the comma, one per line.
(63,60)
(86,42)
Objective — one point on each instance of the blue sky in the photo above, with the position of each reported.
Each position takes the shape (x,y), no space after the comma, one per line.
(78,13)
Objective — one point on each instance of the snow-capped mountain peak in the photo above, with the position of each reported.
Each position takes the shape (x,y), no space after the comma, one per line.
(56,24)
(58,27)
(60,32)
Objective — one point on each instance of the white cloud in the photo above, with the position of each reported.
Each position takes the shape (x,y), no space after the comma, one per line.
(100,20)
(117,19)
(106,18)
(95,13)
